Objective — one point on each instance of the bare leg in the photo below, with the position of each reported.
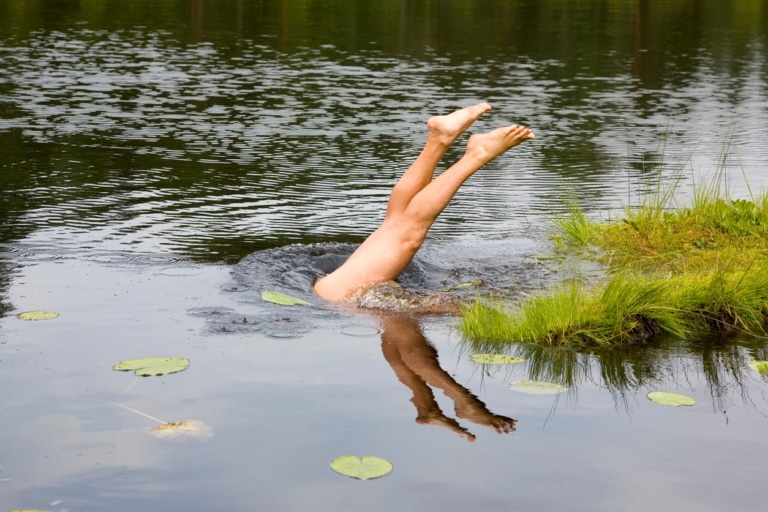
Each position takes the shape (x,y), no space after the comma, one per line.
(481,149)
(442,132)
(389,249)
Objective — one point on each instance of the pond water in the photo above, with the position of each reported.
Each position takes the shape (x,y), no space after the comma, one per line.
(163,162)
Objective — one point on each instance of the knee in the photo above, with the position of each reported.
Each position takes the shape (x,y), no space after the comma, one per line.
(409,231)
(414,236)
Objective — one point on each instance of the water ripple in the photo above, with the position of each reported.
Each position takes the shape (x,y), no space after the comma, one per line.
(153,144)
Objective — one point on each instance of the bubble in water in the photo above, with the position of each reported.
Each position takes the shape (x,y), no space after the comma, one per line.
(210,311)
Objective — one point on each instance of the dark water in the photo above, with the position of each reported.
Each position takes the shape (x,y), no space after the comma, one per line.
(211,129)
(163,162)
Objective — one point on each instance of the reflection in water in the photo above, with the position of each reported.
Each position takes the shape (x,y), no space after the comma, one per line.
(721,363)
(667,363)
(213,129)
(414,361)
(5,278)
(8,266)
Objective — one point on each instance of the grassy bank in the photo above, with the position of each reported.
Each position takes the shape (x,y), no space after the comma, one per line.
(672,269)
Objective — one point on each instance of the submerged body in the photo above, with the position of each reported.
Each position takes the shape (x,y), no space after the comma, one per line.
(416,201)
(390,296)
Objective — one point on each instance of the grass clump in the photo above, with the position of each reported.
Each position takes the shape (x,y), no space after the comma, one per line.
(674,270)
(688,240)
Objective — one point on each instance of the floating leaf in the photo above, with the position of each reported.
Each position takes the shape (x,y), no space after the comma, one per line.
(37,315)
(760,367)
(536,387)
(150,366)
(183,431)
(672,399)
(496,359)
(282,299)
(362,468)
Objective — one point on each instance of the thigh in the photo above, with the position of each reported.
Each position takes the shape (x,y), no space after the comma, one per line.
(382,257)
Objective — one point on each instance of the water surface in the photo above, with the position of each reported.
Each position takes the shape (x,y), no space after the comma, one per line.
(159,159)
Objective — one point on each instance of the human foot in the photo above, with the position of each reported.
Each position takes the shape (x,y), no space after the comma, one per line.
(447,128)
(443,421)
(477,413)
(484,147)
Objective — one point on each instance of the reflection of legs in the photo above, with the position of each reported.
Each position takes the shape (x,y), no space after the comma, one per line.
(416,202)
(422,359)
(415,359)
(427,409)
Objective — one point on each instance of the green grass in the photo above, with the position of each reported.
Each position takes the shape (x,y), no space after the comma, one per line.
(672,269)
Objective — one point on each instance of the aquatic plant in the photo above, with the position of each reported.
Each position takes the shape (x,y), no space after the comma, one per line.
(672,269)
(186,430)
(38,314)
(153,366)
(670,399)
(361,468)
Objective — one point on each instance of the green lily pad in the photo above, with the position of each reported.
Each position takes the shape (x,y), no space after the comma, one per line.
(496,359)
(533,387)
(760,367)
(671,399)
(362,468)
(37,315)
(282,299)
(153,366)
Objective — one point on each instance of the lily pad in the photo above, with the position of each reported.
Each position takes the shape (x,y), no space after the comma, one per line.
(671,399)
(282,299)
(189,430)
(362,468)
(533,387)
(153,366)
(37,315)
(496,359)
(760,367)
